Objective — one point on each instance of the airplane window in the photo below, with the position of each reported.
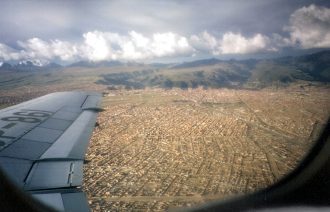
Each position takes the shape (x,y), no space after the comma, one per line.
(202,100)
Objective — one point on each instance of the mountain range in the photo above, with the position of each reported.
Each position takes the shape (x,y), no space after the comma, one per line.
(211,72)
(29,65)
(217,73)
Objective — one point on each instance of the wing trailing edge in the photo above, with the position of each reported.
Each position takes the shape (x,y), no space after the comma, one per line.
(43,144)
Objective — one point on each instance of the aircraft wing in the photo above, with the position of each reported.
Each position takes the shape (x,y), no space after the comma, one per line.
(43,143)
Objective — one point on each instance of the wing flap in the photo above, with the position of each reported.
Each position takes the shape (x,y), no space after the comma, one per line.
(16,169)
(91,102)
(53,200)
(54,174)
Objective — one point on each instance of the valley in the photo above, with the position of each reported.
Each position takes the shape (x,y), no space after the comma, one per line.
(184,135)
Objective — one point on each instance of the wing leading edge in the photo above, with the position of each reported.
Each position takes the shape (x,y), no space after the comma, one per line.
(43,144)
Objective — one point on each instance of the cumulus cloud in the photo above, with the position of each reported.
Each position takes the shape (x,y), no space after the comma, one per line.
(204,41)
(8,53)
(161,29)
(96,46)
(134,46)
(310,27)
(40,49)
(231,43)
(164,44)
(99,45)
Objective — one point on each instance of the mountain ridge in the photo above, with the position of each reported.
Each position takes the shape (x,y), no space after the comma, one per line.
(212,72)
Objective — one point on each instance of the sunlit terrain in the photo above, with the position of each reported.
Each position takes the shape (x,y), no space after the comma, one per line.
(157,149)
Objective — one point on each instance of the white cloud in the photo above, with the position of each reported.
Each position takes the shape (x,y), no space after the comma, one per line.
(310,27)
(204,41)
(140,40)
(168,44)
(134,46)
(98,46)
(231,43)
(36,48)
(40,49)
(64,50)
(278,41)
(8,53)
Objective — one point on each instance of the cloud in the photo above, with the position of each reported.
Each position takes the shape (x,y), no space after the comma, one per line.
(310,27)
(231,43)
(204,41)
(164,28)
(64,50)
(70,19)
(96,46)
(8,53)
(134,46)
(99,45)
(167,44)
(54,49)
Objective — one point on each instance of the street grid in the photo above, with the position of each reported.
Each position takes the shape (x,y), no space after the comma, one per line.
(160,149)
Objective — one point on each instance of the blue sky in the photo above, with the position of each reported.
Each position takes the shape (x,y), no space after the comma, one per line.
(162,30)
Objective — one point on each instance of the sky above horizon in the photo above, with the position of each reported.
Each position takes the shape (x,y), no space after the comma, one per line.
(163,30)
